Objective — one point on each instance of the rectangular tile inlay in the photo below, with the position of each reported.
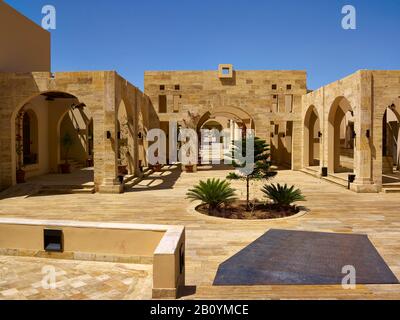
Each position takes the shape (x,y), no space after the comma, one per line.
(305,258)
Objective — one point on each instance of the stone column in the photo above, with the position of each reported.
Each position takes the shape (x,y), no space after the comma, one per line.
(296,145)
(108,146)
(363,126)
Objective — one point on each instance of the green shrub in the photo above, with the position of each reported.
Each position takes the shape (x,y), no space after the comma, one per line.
(233,176)
(282,195)
(213,192)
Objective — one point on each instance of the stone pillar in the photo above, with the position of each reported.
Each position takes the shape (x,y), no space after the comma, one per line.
(108,146)
(296,145)
(363,124)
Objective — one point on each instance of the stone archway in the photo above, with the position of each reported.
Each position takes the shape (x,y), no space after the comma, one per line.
(126,140)
(233,121)
(391,144)
(341,136)
(312,138)
(56,113)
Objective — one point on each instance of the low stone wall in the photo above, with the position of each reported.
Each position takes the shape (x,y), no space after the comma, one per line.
(163,246)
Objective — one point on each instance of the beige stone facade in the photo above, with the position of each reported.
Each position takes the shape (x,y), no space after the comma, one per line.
(349,127)
(268,101)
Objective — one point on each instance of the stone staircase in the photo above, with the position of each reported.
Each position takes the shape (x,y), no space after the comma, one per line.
(391,188)
(311,172)
(66,189)
(76,165)
(131,180)
(342,182)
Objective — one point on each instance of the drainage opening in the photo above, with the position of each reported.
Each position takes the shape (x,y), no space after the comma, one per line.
(53,241)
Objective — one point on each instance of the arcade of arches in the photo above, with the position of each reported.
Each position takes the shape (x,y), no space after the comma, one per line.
(91,129)
(351,128)
(99,121)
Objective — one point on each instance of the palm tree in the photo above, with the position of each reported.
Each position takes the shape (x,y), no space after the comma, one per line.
(282,195)
(212,192)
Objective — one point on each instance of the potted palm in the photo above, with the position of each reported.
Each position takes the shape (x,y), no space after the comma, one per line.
(191,122)
(67,142)
(20,173)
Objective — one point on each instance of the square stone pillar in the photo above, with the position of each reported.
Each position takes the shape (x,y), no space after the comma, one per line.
(363,143)
(297,145)
(108,146)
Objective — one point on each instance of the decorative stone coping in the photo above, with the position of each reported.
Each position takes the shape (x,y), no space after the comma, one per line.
(90,224)
(192,210)
(168,258)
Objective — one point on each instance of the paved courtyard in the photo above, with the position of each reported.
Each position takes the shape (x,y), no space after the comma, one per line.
(160,199)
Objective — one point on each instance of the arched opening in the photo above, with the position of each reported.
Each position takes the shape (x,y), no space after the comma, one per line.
(212,148)
(341,137)
(30,135)
(125,130)
(312,137)
(225,125)
(78,129)
(281,143)
(49,131)
(391,146)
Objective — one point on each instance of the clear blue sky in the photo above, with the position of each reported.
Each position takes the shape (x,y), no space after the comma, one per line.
(133,36)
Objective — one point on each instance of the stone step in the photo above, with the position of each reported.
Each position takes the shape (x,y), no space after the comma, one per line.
(336,180)
(67,186)
(277,292)
(391,190)
(56,191)
(131,181)
(67,189)
(310,172)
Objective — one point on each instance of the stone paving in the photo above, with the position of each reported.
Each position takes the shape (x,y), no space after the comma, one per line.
(21,278)
(160,199)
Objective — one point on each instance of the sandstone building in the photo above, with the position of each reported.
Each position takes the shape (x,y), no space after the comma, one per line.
(349,127)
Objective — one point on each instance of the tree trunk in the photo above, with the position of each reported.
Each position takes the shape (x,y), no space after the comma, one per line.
(248,193)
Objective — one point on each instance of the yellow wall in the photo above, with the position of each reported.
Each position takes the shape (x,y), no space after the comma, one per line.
(25,46)
(83,240)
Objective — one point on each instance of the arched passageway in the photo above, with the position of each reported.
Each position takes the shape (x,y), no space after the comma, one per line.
(341,137)
(53,134)
(391,146)
(218,129)
(312,138)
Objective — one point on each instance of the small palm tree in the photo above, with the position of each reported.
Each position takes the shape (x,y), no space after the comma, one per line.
(282,195)
(67,142)
(213,192)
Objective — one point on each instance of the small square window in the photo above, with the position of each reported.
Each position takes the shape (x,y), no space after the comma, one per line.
(275,96)
(225,71)
(162,87)
(177,87)
(289,87)
(274,87)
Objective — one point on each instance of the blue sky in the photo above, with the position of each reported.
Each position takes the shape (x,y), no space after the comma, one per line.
(133,36)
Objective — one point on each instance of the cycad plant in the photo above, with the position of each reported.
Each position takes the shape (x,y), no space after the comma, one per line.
(213,192)
(282,195)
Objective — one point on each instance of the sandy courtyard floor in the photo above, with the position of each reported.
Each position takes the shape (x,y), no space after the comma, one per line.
(160,199)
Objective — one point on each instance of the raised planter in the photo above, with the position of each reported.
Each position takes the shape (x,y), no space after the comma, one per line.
(193,209)
(20,176)
(65,168)
(122,170)
(161,245)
